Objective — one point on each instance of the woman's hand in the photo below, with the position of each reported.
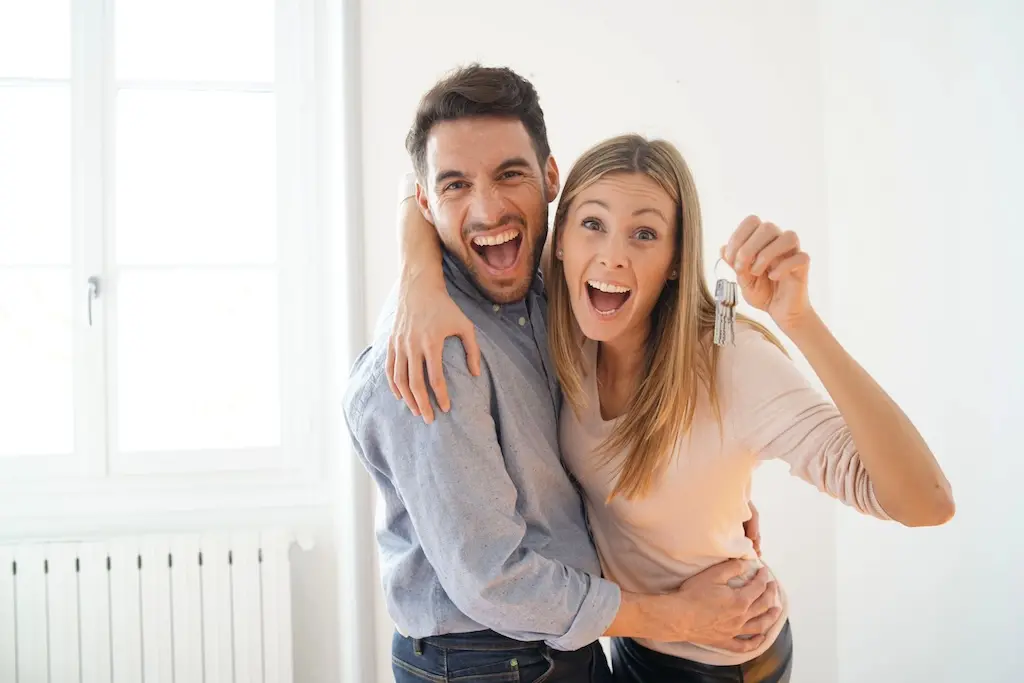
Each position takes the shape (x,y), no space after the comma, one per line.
(771,270)
(425,317)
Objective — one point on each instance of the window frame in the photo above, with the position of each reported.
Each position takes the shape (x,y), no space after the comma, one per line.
(96,473)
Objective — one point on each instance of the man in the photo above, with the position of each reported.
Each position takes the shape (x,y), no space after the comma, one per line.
(489,569)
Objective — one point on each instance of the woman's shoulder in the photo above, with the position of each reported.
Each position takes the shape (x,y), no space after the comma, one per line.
(756,354)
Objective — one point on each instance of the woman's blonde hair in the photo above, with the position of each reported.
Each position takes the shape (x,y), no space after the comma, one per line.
(681,359)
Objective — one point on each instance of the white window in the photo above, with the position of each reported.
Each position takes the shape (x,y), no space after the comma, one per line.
(159,241)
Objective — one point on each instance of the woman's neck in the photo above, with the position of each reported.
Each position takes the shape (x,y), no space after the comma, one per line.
(620,366)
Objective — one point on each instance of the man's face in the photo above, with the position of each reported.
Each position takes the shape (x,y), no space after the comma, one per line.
(487,196)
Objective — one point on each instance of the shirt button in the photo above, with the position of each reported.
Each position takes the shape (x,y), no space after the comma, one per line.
(496,308)
(522,321)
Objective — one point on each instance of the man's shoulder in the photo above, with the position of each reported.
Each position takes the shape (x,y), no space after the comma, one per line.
(368,388)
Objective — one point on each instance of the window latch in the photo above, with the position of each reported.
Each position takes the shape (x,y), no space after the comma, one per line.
(93,294)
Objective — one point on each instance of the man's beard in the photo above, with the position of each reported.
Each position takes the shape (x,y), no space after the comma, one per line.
(519,293)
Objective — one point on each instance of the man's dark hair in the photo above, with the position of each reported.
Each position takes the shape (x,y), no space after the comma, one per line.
(476,90)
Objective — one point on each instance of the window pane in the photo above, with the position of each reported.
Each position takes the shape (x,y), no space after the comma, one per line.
(35,38)
(35,175)
(227,40)
(197,359)
(196,178)
(36,390)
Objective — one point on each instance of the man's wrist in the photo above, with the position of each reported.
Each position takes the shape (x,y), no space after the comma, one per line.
(421,277)
(647,616)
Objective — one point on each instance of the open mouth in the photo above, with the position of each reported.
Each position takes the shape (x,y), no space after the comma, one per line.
(607,298)
(499,252)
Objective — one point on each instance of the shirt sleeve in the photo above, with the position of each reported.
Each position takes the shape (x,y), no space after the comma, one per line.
(452,478)
(777,413)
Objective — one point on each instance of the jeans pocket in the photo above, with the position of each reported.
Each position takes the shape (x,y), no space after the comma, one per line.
(498,666)
(536,667)
(405,672)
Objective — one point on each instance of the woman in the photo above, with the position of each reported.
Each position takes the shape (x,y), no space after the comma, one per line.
(666,428)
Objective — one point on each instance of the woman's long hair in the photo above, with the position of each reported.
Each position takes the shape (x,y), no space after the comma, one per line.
(680,359)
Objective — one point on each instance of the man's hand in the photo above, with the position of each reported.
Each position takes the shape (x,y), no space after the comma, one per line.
(714,613)
(752,529)
(707,611)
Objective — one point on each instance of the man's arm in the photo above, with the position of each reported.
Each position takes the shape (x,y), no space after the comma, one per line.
(426,315)
(460,499)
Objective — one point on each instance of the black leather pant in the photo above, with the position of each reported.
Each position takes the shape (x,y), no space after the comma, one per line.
(633,663)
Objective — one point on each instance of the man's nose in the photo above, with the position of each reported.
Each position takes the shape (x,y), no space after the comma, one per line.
(488,206)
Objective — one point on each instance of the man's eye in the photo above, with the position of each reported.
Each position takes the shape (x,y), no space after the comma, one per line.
(511,174)
(457,185)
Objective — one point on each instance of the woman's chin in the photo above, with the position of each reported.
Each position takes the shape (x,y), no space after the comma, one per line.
(598,327)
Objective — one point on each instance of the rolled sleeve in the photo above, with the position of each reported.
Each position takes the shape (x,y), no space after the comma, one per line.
(780,415)
(462,503)
(595,616)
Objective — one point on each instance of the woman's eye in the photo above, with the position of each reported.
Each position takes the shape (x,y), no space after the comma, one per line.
(591,224)
(646,234)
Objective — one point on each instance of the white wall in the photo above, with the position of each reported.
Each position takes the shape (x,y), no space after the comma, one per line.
(923,108)
(735,85)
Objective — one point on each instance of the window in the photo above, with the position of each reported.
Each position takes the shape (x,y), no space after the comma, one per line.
(158,238)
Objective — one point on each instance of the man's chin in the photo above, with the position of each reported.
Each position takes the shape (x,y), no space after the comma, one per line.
(505,291)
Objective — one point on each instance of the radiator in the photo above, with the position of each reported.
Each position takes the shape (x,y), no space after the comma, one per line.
(210,608)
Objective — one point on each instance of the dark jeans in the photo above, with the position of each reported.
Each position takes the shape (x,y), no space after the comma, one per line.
(487,657)
(634,663)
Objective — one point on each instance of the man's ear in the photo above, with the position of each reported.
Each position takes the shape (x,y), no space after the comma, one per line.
(423,203)
(551,179)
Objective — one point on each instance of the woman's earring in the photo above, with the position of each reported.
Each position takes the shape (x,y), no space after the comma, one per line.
(725,311)
(559,254)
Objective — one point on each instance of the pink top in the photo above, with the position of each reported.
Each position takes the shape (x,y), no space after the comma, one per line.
(693,517)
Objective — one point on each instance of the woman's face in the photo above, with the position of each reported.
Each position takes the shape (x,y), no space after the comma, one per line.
(618,250)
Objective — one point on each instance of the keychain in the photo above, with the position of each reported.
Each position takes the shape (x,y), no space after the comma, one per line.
(725,310)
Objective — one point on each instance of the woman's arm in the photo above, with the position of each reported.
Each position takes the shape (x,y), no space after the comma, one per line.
(902,474)
(908,482)
(425,316)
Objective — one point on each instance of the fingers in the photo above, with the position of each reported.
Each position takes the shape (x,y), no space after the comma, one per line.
(389,368)
(795,263)
(739,238)
(762,623)
(765,602)
(418,385)
(743,644)
(752,528)
(723,571)
(401,380)
(757,586)
(435,371)
(468,337)
(781,245)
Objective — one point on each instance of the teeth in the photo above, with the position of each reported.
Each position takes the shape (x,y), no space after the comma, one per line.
(495,240)
(607,287)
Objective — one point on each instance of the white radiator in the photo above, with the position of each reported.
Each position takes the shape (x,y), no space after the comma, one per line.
(210,608)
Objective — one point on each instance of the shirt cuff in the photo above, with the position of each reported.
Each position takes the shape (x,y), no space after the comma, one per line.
(596,614)
(406,187)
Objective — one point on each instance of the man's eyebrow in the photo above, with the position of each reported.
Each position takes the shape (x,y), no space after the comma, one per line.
(447,174)
(513,162)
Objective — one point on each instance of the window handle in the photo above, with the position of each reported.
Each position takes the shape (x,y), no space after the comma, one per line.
(93,294)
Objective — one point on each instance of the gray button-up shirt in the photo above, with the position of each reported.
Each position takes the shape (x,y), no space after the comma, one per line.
(480,525)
